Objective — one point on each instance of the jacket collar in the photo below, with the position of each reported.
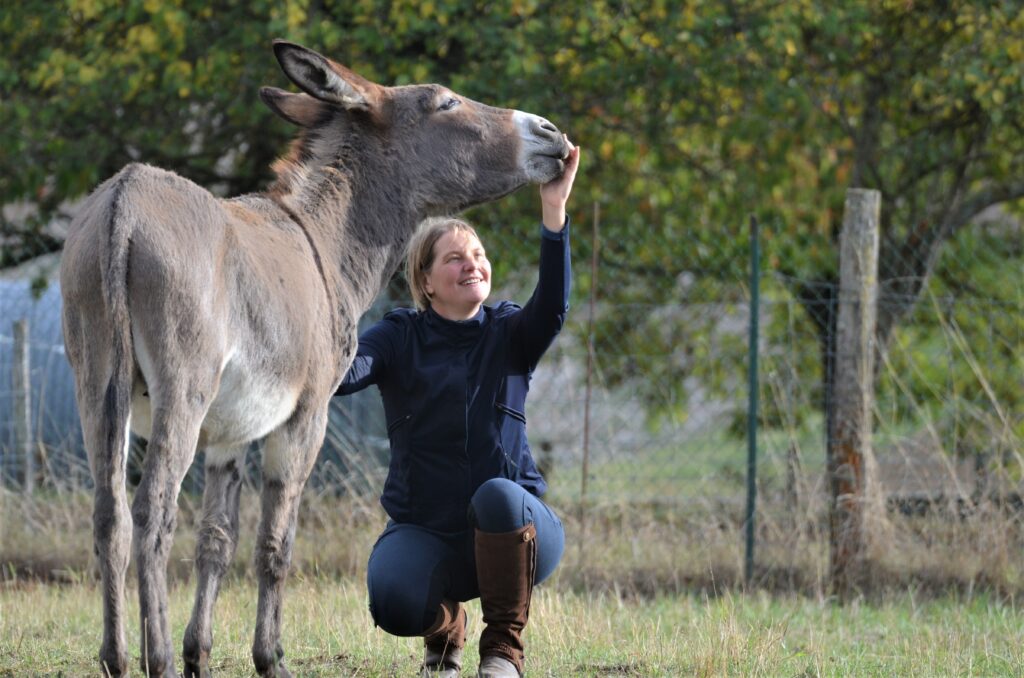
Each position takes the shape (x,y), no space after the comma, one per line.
(456,329)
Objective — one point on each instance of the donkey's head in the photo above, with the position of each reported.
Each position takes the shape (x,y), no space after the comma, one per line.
(424,145)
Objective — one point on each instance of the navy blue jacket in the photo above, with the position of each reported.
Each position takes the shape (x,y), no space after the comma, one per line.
(455,395)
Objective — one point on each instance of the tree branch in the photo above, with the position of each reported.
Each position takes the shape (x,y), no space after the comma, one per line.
(904,271)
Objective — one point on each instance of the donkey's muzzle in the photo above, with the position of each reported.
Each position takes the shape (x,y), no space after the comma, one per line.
(544,147)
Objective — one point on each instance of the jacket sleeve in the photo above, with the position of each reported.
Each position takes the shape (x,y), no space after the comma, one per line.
(378,347)
(536,325)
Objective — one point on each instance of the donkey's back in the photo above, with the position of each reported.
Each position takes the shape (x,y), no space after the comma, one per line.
(223,288)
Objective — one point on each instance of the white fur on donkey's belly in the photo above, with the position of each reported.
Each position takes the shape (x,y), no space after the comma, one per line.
(247,407)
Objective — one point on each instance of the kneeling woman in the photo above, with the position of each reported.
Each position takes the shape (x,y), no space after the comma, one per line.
(462,492)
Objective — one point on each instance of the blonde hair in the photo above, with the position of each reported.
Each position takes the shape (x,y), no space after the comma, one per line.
(421,253)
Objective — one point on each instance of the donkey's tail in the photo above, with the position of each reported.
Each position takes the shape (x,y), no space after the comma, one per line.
(114,277)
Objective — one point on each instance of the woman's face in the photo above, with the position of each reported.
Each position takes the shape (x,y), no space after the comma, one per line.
(459,280)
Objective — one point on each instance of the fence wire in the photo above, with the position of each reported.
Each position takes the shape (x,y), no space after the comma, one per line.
(668,394)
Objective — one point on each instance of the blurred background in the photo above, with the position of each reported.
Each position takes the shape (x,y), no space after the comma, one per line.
(694,117)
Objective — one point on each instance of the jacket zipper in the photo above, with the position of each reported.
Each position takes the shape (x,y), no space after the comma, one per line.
(512,413)
(398,422)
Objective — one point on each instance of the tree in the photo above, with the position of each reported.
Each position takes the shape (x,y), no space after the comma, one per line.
(925,104)
(779,108)
(692,115)
(713,110)
(87,86)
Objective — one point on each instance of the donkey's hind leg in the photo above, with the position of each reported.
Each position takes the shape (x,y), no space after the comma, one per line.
(101,398)
(112,534)
(288,458)
(215,548)
(172,446)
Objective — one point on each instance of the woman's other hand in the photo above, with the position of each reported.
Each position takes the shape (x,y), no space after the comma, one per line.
(555,193)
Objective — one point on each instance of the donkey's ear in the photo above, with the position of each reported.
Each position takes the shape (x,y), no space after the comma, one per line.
(298,109)
(320,77)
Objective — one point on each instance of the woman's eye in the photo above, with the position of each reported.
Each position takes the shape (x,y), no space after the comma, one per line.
(448,105)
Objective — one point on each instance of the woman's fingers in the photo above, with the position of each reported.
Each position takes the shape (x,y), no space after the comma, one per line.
(555,194)
(573,164)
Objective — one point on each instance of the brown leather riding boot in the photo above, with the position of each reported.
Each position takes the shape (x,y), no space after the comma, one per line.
(443,642)
(506,565)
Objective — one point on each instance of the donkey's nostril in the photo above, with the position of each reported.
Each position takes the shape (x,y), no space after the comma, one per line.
(540,136)
(545,128)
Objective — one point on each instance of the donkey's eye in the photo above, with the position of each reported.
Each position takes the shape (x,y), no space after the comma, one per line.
(448,105)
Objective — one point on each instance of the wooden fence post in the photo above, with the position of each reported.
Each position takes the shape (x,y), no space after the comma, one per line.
(853,385)
(22,396)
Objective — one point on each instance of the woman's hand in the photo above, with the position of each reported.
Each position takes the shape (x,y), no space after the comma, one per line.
(555,193)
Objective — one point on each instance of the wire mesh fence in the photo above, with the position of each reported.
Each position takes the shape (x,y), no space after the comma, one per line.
(664,400)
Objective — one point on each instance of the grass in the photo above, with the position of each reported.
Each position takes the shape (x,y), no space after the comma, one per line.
(654,591)
(648,587)
(55,631)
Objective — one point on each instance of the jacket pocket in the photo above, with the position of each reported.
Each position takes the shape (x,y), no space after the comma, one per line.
(511,439)
(398,438)
(515,414)
(398,422)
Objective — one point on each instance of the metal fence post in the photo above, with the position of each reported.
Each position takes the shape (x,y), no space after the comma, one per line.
(585,472)
(22,395)
(853,384)
(755,312)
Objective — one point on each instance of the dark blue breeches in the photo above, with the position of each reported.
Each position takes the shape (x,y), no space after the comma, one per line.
(412,569)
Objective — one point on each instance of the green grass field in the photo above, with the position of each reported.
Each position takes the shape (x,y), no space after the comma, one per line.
(55,631)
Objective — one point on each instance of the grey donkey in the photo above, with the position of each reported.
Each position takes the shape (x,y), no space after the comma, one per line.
(199,322)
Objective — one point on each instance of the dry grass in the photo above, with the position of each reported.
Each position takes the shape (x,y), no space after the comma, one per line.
(644,590)
(624,549)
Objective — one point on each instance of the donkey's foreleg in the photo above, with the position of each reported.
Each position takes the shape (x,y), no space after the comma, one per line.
(215,548)
(273,556)
(170,451)
(288,459)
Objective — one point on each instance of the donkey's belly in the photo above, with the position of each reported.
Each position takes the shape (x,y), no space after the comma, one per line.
(247,407)
(248,417)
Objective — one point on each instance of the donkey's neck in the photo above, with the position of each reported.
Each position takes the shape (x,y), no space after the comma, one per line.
(359,233)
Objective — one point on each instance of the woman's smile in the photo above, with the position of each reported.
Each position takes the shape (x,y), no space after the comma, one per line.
(459,280)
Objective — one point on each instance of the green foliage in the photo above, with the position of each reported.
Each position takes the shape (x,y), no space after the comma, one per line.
(692,115)
(961,362)
(92,85)
(778,108)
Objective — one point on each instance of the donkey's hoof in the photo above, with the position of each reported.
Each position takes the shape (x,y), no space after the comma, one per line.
(277,671)
(158,666)
(200,669)
(273,666)
(113,665)
(113,670)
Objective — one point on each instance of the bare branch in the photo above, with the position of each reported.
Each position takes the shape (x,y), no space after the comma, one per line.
(980,200)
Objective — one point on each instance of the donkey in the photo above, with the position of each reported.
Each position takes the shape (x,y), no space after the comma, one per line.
(199,322)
